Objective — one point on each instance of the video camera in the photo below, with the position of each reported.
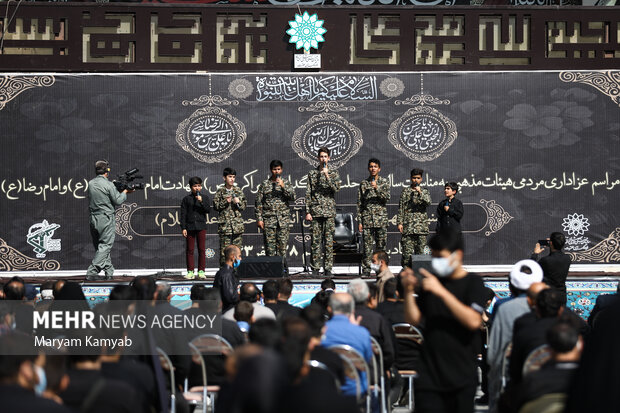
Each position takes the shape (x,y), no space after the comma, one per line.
(125,181)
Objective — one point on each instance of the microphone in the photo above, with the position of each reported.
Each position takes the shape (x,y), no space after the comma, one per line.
(274,182)
(231,193)
(324,165)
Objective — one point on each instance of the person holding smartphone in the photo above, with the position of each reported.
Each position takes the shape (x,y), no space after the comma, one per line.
(555,265)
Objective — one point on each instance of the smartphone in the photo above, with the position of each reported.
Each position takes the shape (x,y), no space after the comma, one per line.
(426,264)
(421,261)
(543,242)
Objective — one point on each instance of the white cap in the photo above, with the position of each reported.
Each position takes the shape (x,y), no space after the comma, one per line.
(523,280)
(47,294)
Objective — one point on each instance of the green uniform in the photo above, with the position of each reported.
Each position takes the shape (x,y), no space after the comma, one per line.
(230,223)
(102,198)
(413,217)
(272,207)
(321,204)
(372,214)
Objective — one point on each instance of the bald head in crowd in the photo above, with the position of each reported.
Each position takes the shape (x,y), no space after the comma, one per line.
(533,292)
(341,303)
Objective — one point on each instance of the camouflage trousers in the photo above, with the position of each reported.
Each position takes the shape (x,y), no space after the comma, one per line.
(276,240)
(322,229)
(411,244)
(226,240)
(376,237)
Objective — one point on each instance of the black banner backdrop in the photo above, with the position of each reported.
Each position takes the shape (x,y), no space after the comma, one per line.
(533,152)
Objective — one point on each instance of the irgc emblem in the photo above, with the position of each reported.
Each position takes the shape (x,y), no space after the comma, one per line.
(422,133)
(328,130)
(40,238)
(211,134)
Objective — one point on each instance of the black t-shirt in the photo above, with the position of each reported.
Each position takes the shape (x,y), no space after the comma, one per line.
(392,311)
(449,353)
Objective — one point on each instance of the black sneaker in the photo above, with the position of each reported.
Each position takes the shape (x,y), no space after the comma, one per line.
(96,277)
(484,399)
(328,273)
(315,273)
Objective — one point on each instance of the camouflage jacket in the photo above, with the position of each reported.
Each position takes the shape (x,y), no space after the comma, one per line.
(272,203)
(412,213)
(320,193)
(229,220)
(371,203)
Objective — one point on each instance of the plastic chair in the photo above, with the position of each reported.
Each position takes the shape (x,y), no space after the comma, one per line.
(347,241)
(210,345)
(352,356)
(549,403)
(537,357)
(405,331)
(378,372)
(166,365)
(505,361)
(198,396)
(315,364)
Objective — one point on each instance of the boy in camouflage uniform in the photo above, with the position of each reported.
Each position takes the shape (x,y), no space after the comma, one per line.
(323,183)
(273,215)
(229,201)
(372,198)
(412,217)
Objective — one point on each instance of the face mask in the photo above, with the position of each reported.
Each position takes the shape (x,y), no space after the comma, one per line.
(442,267)
(236,263)
(42,385)
(375,267)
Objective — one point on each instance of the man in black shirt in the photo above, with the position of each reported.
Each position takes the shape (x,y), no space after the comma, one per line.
(555,265)
(283,309)
(270,295)
(451,301)
(554,376)
(226,281)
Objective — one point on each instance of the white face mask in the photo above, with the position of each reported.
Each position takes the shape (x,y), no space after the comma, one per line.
(442,266)
(40,387)
(375,267)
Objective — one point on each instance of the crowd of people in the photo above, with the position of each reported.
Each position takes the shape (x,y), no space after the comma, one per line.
(283,356)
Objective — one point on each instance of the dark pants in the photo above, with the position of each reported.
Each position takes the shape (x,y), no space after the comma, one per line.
(454,401)
(193,238)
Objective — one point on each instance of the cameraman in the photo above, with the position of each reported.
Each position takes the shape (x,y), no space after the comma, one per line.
(102,198)
(555,265)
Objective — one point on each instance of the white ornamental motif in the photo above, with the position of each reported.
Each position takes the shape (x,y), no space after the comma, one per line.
(306,31)
(575,224)
(240,88)
(392,87)
(40,238)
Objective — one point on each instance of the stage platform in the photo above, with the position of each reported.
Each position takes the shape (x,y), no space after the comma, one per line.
(585,282)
